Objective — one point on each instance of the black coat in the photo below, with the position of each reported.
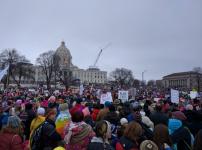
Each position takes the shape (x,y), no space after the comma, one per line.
(182,138)
(99,146)
(50,137)
(159,118)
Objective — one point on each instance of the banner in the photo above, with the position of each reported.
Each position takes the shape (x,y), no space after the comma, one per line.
(175,96)
(106,97)
(3,72)
(123,95)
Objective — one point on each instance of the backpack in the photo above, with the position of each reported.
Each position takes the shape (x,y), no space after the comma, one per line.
(35,140)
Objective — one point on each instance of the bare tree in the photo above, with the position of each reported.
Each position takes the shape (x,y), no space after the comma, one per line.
(136,83)
(197,69)
(19,66)
(123,76)
(46,61)
(151,83)
(159,83)
(64,76)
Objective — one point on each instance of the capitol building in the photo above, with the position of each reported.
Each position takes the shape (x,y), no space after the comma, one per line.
(91,75)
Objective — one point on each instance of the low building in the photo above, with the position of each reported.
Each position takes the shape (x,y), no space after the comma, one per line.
(184,81)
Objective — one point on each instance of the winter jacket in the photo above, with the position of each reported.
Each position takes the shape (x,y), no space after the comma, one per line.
(182,138)
(36,122)
(126,144)
(98,144)
(159,118)
(27,118)
(50,137)
(62,120)
(95,114)
(10,141)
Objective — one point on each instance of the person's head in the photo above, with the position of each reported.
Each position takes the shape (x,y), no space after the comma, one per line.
(198,141)
(112,108)
(77,116)
(51,114)
(63,107)
(28,106)
(161,135)
(107,104)
(133,131)
(148,145)
(13,125)
(40,111)
(158,107)
(103,130)
(124,122)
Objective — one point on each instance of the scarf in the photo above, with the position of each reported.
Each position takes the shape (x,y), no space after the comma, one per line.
(75,138)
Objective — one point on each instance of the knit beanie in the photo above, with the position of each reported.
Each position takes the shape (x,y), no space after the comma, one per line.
(123,121)
(40,111)
(179,115)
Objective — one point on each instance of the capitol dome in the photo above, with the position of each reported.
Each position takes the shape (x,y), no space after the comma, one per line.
(64,55)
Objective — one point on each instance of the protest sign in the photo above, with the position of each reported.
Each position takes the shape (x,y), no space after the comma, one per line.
(174,96)
(106,97)
(81,89)
(123,95)
(193,94)
(157,99)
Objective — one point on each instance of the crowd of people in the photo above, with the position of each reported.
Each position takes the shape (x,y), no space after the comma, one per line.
(70,121)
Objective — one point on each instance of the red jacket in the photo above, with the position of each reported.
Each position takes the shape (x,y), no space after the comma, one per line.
(10,142)
(95,114)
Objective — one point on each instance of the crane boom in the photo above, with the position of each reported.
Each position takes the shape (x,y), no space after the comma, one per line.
(99,54)
(97,58)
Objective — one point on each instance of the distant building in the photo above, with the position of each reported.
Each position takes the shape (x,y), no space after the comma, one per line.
(91,75)
(183,80)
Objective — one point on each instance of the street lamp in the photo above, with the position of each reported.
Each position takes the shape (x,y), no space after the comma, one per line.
(143,76)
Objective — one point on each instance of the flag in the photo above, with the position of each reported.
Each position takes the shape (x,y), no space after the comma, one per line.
(3,72)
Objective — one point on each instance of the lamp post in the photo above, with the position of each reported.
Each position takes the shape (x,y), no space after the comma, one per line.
(143,76)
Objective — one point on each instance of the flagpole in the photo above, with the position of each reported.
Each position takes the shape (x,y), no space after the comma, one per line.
(8,75)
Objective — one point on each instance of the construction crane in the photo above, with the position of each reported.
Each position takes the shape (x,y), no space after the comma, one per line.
(99,54)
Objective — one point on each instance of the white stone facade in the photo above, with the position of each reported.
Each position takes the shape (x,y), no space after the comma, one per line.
(91,75)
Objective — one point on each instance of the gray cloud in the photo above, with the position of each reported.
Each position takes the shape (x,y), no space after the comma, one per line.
(158,36)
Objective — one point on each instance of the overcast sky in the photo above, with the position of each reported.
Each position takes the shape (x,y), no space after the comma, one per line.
(160,36)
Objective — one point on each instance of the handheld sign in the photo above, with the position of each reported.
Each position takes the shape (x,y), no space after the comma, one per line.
(175,96)
(106,97)
(123,95)
(193,94)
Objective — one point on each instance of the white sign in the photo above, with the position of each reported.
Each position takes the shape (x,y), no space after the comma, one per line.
(81,89)
(175,96)
(106,97)
(193,94)
(123,95)
(157,99)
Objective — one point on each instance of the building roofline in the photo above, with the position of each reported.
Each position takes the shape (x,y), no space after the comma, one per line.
(181,73)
